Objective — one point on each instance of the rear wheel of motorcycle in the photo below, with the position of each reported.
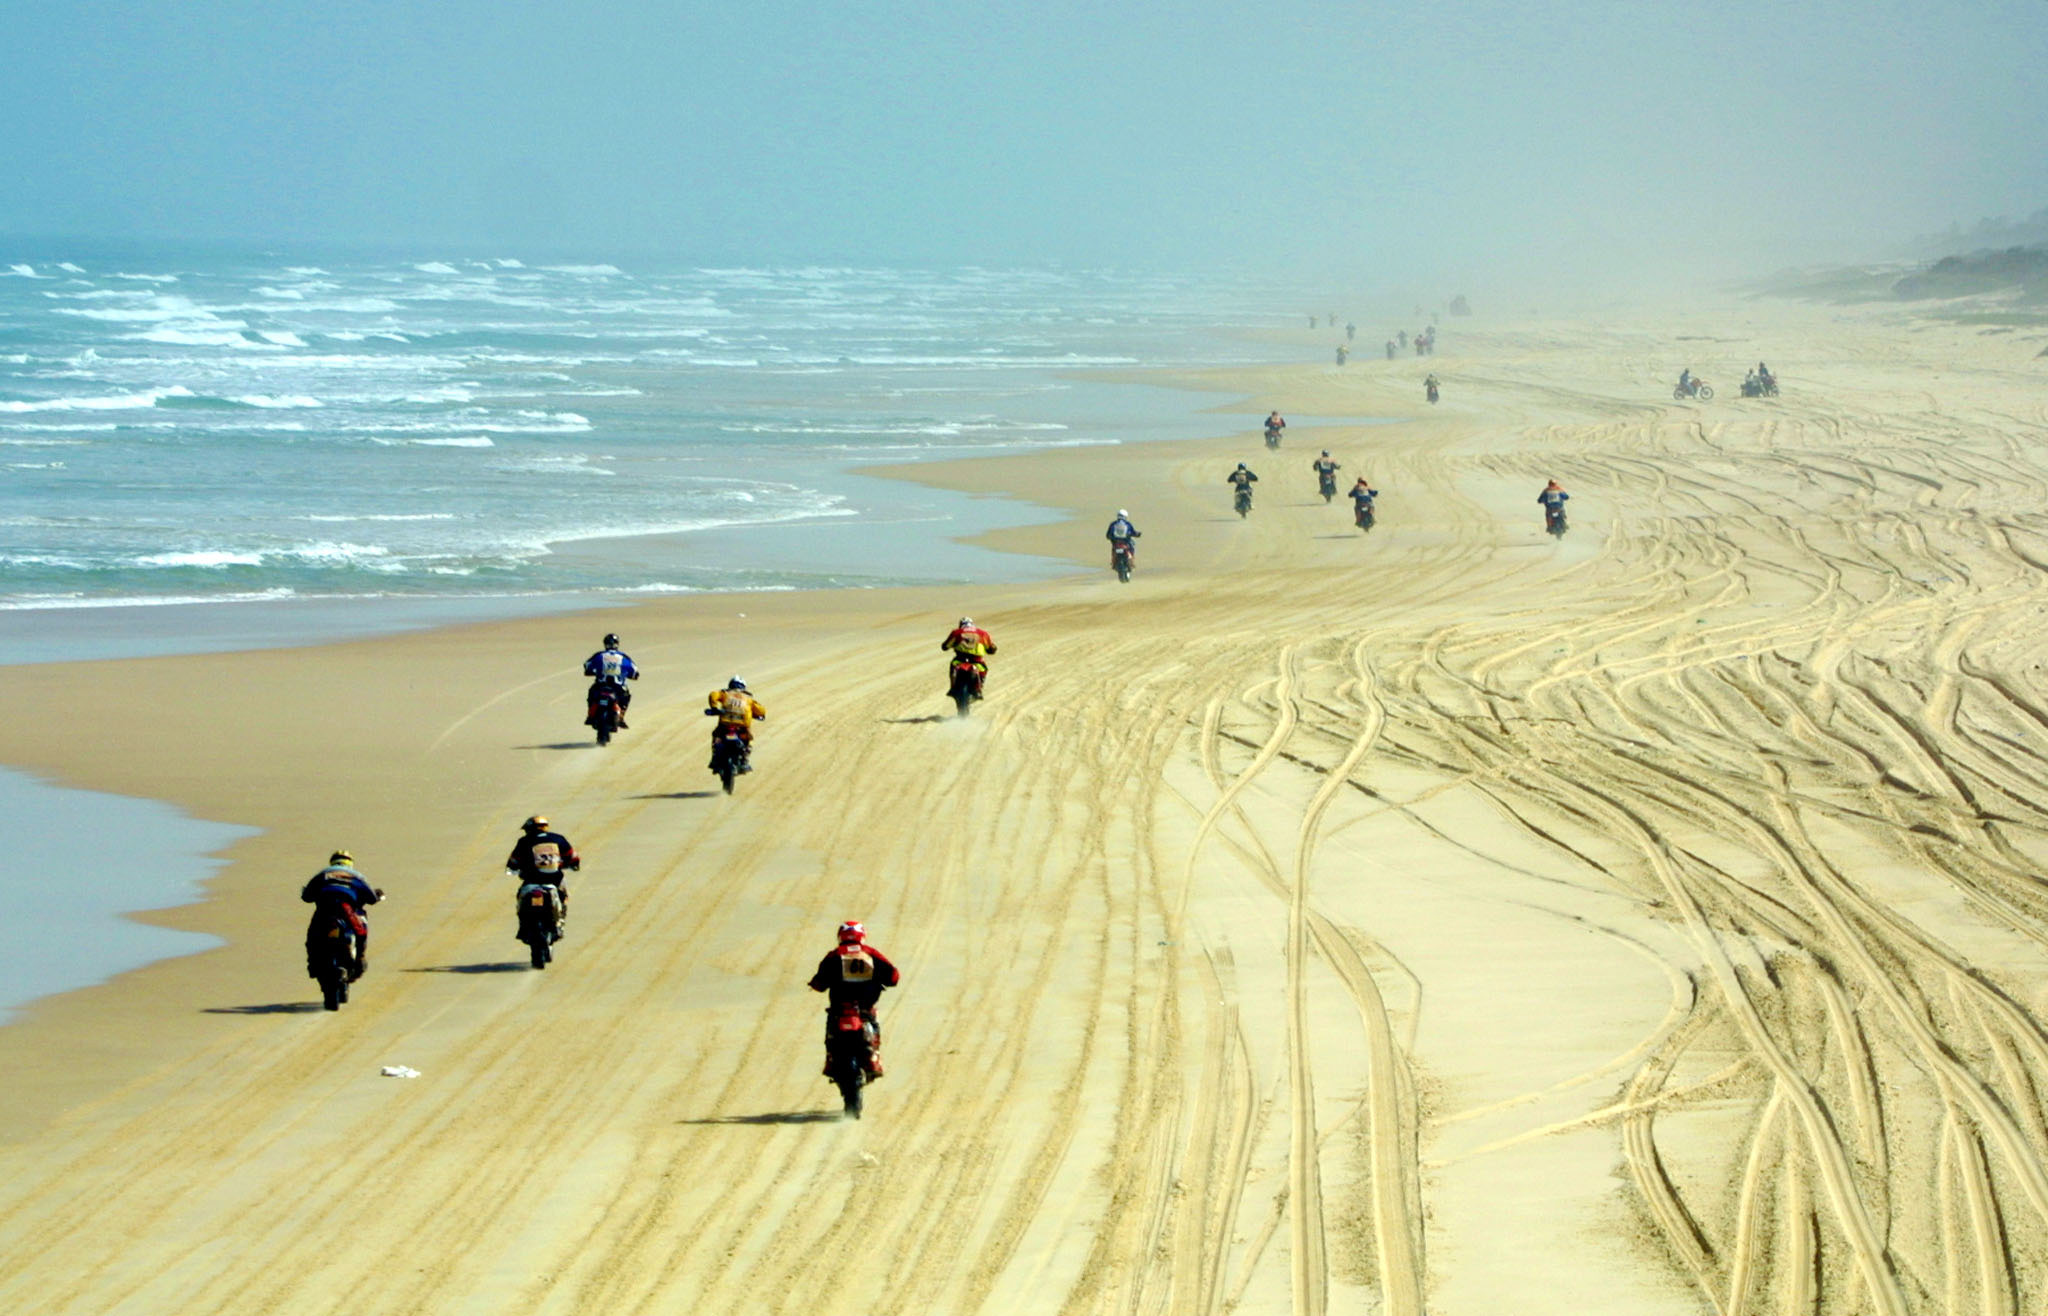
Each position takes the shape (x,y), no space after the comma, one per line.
(725,775)
(850,1085)
(1123,572)
(604,736)
(962,699)
(333,991)
(542,953)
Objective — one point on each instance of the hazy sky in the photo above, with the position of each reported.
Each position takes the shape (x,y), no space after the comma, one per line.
(1294,137)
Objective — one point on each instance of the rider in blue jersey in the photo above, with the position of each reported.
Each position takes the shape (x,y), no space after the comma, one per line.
(610,669)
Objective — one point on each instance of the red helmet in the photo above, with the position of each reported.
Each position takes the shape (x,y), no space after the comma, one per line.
(852,934)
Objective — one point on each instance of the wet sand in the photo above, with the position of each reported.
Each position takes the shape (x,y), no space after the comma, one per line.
(1446,918)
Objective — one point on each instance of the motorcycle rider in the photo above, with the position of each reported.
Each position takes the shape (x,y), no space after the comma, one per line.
(1685,380)
(338,893)
(1362,495)
(1242,479)
(734,707)
(855,973)
(1325,469)
(1552,501)
(975,644)
(612,669)
(1430,386)
(1121,533)
(1274,424)
(542,857)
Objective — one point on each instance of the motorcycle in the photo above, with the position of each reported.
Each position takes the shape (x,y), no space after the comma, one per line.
(1244,500)
(965,677)
(1120,558)
(604,715)
(729,754)
(333,952)
(1696,388)
(850,1038)
(1760,388)
(1272,436)
(540,920)
(1362,516)
(1326,485)
(1431,391)
(1553,522)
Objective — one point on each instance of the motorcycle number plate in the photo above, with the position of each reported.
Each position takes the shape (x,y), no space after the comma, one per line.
(537,899)
(334,932)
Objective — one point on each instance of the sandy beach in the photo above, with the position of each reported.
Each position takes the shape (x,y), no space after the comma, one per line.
(1443,919)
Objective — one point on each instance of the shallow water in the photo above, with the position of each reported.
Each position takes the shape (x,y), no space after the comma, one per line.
(78,861)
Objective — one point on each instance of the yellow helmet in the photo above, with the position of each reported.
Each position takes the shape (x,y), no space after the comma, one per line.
(341,857)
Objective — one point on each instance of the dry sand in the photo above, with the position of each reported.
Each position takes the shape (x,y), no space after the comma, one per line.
(1442,919)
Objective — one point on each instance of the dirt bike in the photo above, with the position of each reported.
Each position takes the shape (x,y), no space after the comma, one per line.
(1696,388)
(964,678)
(333,952)
(1272,436)
(1121,555)
(1244,500)
(730,754)
(1326,484)
(1431,390)
(850,1038)
(1553,521)
(1760,388)
(1361,514)
(540,920)
(604,715)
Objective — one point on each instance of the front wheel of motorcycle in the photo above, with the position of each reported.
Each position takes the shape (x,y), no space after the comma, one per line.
(1706,393)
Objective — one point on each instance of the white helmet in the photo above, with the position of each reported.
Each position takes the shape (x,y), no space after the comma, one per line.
(735,684)
(1121,512)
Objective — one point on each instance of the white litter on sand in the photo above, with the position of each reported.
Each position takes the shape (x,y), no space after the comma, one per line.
(400,1071)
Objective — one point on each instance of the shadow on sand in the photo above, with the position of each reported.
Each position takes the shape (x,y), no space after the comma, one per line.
(564,744)
(912,721)
(496,966)
(680,795)
(775,1117)
(276,1007)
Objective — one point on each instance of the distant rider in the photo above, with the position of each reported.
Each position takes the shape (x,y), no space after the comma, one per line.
(1552,500)
(974,644)
(1325,468)
(611,670)
(855,973)
(542,857)
(1685,380)
(1122,532)
(1274,424)
(1241,479)
(1362,495)
(339,894)
(734,708)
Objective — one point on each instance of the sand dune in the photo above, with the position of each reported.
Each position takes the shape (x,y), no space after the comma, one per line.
(1446,919)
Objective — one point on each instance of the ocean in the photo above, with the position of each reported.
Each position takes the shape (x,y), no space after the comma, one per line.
(241,427)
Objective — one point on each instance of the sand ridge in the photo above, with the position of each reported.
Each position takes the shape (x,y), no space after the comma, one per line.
(1446,919)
